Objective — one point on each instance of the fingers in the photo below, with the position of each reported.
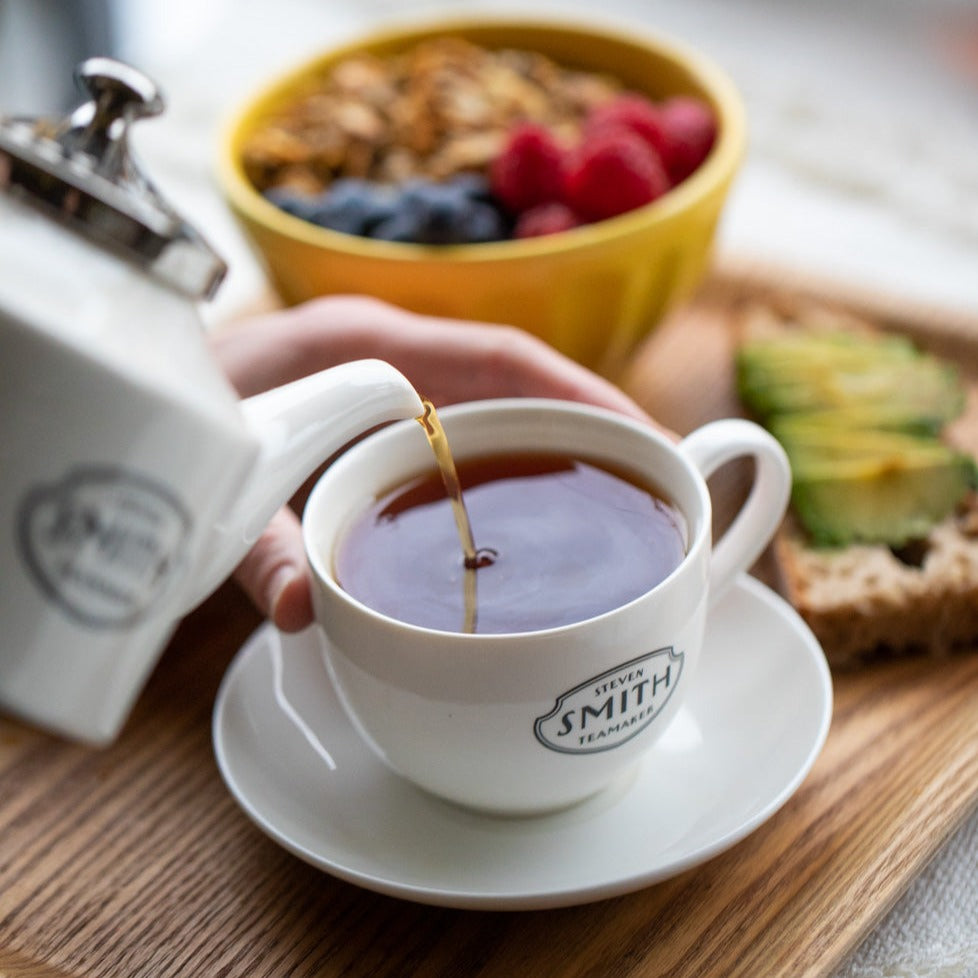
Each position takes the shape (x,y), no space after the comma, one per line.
(275,574)
(450,361)
(521,365)
(275,348)
(292,610)
(447,360)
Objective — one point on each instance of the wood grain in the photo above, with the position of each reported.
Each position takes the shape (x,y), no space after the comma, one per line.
(134,860)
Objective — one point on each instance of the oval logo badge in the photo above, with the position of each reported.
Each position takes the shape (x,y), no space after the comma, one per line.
(612,708)
(103,543)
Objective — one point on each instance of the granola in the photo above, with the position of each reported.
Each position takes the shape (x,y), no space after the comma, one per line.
(442,108)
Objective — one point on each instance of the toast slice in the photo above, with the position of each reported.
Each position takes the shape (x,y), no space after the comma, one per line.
(864,601)
(867,601)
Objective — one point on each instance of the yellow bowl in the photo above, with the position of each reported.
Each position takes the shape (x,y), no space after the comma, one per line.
(594,292)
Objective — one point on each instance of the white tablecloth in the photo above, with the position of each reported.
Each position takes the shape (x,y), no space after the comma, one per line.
(933,931)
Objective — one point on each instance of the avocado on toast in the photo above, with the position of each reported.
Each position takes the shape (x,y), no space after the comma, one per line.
(880,550)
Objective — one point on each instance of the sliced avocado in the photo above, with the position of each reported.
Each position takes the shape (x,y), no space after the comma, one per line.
(829,371)
(813,445)
(872,486)
(860,416)
(893,510)
(895,417)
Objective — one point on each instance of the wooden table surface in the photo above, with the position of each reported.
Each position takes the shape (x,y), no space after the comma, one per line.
(135,861)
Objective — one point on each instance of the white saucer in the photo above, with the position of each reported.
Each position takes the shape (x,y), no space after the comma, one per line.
(744,741)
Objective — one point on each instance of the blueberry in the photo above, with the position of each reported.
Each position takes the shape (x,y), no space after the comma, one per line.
(458,211)
(400,226)
(292,202)
(482,223)
(473,186)
(424,196)
(439,212)
(451,213)
(348,205)
(414,210)
(352,206)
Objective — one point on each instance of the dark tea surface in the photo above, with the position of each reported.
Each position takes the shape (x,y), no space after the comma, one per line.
(563,540)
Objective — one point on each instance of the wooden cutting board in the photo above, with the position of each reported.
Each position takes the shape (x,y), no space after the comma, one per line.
(135,861)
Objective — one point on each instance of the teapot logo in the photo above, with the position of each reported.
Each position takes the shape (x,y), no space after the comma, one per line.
(103,543)
(606,711)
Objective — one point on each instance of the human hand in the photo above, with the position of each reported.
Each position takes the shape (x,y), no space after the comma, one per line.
(446,361)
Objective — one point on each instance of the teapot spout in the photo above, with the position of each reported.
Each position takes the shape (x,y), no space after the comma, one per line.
(299,426)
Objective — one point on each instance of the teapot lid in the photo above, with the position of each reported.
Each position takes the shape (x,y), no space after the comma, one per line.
(79,170)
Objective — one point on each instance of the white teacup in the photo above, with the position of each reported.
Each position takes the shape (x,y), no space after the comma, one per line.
(532,721)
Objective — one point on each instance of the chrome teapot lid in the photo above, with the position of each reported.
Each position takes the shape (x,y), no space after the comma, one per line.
(79,170)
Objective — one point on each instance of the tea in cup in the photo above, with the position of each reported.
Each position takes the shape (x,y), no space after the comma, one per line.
(561,539)
(540,672)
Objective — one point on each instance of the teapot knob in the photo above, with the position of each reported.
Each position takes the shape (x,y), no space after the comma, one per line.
(120,94)
(79,171)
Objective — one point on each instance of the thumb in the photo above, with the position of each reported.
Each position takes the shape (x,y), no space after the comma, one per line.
(275,574)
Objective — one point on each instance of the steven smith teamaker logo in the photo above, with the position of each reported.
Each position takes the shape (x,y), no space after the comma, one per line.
(608,710)
(103,543)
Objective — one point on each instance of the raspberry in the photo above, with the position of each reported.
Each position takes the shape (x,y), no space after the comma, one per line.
(529,170)
(631,111)
(613,172)
(691,130)
(545,219)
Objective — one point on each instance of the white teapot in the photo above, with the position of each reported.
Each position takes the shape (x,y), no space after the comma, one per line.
(132,479)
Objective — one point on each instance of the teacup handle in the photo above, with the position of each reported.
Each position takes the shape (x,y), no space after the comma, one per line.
(743,542)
